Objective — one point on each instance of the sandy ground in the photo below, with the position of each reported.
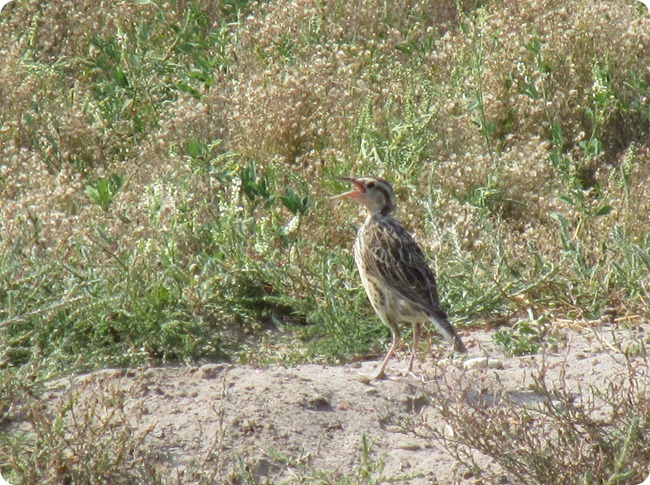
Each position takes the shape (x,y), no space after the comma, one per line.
(307,423)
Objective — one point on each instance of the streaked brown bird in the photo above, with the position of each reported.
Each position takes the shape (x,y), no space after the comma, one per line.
(400,285)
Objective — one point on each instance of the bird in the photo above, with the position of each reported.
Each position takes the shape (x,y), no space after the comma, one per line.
(399,283)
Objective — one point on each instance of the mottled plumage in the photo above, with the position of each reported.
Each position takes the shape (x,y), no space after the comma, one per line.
(400,285)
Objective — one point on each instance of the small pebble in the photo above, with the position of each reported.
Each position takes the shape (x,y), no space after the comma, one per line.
(482,363)
(364,378)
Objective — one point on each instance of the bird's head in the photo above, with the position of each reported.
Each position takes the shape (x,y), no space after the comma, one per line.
(373,192)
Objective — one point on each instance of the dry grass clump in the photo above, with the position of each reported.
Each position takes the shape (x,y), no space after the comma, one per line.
(559,431)
(571,86)
(84,435)
(306,69)
(533,73)
(71,109)
(550,65)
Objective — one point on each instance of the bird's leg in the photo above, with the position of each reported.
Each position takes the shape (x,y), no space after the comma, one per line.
(416,344)
(394,330)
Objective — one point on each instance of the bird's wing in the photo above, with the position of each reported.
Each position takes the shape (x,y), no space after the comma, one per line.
(397,259)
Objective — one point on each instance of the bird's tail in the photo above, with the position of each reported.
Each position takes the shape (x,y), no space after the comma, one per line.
(441,322)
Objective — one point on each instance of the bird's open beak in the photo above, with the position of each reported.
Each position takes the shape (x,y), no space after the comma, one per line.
(353,194)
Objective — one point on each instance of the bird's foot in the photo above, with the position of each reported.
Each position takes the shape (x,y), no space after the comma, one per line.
(379,376)
(408,372)
(366,378)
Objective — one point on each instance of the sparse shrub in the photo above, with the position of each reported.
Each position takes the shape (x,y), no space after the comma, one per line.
(569,432)
(89,439)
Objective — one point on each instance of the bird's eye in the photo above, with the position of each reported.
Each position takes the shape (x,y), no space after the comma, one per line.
(370,185)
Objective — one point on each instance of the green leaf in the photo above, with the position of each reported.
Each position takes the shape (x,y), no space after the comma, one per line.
(531,91)
(102,190)
(534,45)
(604,210)
(114,183)
(186,88)
(121,78)
(566,198)
(294,202)
(194,148)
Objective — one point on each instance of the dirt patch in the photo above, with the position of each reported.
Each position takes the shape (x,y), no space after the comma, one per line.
(316,422)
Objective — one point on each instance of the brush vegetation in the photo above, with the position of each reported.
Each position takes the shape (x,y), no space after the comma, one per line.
(166,167)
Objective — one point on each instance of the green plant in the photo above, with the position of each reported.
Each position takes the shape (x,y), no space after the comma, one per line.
(523,338)
(472,25)
(293,201)
(103,190)
(370,468)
